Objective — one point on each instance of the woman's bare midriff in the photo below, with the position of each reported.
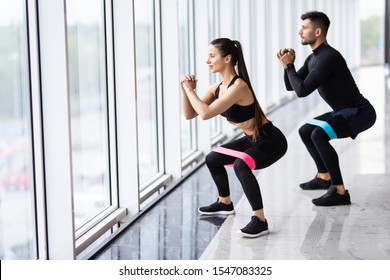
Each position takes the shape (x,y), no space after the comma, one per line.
(248,126)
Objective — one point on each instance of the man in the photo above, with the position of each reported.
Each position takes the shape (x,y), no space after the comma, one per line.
(325,70)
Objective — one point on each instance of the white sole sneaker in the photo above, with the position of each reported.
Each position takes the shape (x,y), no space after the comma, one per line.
(217,213)
(243,234)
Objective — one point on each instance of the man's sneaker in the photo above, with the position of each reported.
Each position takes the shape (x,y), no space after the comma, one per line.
(217,208)
(255,228)
(332,198)
(316,184)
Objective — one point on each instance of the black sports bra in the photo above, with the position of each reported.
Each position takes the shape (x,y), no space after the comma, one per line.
(237,113)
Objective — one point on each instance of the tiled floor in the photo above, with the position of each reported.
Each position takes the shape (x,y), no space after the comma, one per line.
(299,230)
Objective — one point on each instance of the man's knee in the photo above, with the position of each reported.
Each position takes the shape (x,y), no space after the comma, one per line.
(305,132)
(319,136)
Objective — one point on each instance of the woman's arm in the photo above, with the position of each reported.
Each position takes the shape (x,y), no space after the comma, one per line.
(207,110)
(188,110)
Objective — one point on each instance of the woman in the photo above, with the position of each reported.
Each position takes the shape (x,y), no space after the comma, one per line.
(235,99)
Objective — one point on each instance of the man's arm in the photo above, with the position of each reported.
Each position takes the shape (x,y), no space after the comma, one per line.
(302,73)
(286,58)
(295,80)
(306,81)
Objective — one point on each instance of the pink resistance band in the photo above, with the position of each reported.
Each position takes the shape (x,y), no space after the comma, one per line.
(244,156)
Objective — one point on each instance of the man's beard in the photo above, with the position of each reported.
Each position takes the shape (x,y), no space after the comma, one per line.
(308,42)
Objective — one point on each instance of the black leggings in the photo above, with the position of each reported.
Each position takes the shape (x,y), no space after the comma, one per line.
(271,146)
(324,155)
(317,140)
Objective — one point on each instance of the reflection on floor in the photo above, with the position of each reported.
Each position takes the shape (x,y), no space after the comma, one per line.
(299,230)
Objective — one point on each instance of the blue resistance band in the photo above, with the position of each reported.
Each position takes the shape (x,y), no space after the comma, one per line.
(325,126)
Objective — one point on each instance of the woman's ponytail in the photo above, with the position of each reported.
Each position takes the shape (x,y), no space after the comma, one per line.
(243,73)
(233,48)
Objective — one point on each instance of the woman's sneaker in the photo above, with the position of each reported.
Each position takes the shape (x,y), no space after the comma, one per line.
(217,208)
(255,228)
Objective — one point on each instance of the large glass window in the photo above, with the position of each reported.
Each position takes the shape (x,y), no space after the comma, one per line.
(17,222)
(372,32)
(89,108)
(147,99)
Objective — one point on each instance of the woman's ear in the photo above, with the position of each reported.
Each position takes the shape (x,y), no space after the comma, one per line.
(228,59)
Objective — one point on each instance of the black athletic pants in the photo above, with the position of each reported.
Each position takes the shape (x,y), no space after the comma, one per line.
(271,146)
(344,125)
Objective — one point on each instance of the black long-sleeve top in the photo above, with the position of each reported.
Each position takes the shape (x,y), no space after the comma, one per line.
(326,70)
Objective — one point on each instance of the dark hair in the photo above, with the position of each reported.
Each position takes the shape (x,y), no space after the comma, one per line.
(227,47)
(319,19)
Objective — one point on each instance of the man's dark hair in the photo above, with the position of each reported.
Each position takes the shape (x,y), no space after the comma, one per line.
(319,19)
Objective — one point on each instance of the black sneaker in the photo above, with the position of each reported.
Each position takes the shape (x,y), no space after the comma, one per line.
(316,184)
(217,208)
(332,198)
(255,228)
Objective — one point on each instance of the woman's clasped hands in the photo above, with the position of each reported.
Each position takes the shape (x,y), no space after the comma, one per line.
(188,82)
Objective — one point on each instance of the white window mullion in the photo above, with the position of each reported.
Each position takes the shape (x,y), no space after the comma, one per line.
(270,60)
(171,91)
(40,202)
(111,102)
(203,28)
(159,88)
(126,109)
(56,127)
